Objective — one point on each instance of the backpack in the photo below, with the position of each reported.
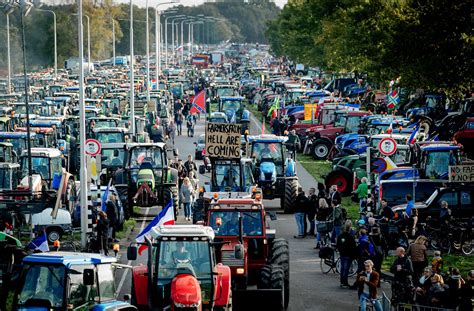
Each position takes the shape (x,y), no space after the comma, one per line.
(378,251)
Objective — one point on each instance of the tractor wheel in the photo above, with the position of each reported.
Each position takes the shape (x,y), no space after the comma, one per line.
(291,191)
(321,149)
(278,282)
(175,195)
(342,179)
(281,257)
(54,233)
(265,279)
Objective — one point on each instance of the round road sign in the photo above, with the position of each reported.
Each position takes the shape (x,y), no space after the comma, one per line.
(92,147)
(379,166)
(387,146)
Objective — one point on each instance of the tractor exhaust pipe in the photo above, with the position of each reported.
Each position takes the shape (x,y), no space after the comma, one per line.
(150,269)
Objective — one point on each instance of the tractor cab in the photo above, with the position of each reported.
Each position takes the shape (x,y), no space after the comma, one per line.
(19,140)
(67,281)
(182,272)
(45,136)
(100,122)
(47,162)
(274,171)
(109,135)
(7,153)
(9,175)
(6,123)
(233,107)
(231,176)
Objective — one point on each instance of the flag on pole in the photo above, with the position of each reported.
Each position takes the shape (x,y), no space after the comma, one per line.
(164,218)
(393,100)
(414,134)
(275,106)
(179,48)
(39,243)
(105,196)
(199,103)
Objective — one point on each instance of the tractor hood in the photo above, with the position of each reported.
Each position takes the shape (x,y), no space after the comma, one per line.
(227,195)
(185,291)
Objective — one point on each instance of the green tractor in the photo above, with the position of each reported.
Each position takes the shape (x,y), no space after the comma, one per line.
(146,178)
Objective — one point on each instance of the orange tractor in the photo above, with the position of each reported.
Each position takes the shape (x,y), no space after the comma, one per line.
(181,273)
(259,262)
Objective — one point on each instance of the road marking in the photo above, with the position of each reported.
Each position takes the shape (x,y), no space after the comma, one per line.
(124,275)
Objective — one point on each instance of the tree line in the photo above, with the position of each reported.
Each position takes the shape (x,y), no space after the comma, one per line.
(239,22)
(420,43)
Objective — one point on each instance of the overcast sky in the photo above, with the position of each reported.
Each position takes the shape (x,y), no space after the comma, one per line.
(280,3)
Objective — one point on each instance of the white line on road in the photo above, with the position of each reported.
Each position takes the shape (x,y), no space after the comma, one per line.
(124,275)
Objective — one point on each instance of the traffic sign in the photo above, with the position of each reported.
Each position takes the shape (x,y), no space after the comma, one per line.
(387,146)
(92,147)
(379,166)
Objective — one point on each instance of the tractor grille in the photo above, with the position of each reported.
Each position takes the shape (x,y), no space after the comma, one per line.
(229,259)
(268,176)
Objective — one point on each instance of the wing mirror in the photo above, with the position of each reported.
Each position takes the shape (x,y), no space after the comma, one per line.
(239,251)
(132,252)
(88,277)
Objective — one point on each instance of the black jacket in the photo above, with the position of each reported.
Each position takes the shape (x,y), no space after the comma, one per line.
(346,245)
(112,212)
(301,203)
(103,227)
(406,273)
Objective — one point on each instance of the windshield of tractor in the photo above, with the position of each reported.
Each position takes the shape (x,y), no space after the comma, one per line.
(469,125)
(108,137)
(45,283)
(227,174)
(222,92)
(152,155)
(178,256)
(105,123)
(226,223)
(41,166)
(340,120)
(326,116)
(436,163)
(112,157)
(20,144)
(352,124)
(266,150)
(233,105)
(6,179)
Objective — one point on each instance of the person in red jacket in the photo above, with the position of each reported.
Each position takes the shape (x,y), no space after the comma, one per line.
(366,283)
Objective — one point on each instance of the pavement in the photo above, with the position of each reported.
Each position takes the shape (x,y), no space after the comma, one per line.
(310,289)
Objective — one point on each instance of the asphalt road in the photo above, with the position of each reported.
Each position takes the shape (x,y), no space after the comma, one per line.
(309,288)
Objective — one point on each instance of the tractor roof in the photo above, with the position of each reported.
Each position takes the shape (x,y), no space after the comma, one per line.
(183,231)
(232,98)
(43,152)
(145,145)
(68,259)
(110,130)
(268,138)
(15,135)
(440,147)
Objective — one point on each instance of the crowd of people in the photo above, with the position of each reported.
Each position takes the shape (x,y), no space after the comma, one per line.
(320,214)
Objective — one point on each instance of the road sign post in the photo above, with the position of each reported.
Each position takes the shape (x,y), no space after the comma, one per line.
(387,146)
(93,147)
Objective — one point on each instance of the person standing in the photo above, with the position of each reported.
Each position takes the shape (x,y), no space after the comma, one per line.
(299,208)
(366,282)
(361,192)
(417,253)
(190,165)
(172,131)
(112,215)
(312,208)
(179,123)
(466,293)
(323,214)
(103,232)
(334,195)
(347,248)
(444,213)
(402,269)
(186,195)
(337,218)
(380,248)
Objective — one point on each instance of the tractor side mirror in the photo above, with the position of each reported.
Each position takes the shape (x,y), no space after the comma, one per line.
(126,297)
(88,277)
(132,252)
(41,141)
(239,251)
(116,153)
(272,215)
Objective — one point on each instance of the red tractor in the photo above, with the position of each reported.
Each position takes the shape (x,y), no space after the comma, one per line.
(465,137)
(181,273)
(321,140)
(254,255)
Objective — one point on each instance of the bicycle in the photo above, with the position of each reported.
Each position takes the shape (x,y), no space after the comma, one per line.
(331,262)
(72,245)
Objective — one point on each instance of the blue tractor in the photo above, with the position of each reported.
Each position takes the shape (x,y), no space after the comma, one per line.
(67,281)
(274,171)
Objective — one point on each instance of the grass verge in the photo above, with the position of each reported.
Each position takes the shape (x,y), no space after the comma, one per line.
(319,170)
(130,223)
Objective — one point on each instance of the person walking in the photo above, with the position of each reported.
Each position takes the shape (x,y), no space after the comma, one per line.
(179,123)
(418,256)
(186,195)
(171,131)
(366,282)
(347,248)
(103,232)
(190,165)
(301,202)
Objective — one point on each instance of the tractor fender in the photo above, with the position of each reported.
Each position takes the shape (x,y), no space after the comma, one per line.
(324,138)
(173,173)
(290,168)
(140,281)
(222,288)
(186,291)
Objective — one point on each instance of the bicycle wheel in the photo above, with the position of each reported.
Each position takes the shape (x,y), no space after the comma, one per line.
(338,265)
(353,267)
(445,245)
(326,265)
(467,245)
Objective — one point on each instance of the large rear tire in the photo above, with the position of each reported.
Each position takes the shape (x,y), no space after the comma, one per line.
(343,179)
(281,257)
(291,191)
(273,277)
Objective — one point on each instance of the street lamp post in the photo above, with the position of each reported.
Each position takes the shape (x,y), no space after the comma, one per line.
(177,17)
(158,39)
(9,78)
(55,41)
(113,41)
(132,82)
(182,37)
(88,44)
(166,40)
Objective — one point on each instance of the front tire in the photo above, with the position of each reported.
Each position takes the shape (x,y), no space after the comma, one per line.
(321,149)
(291,191)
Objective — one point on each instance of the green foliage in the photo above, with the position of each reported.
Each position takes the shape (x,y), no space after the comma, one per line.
(427,44)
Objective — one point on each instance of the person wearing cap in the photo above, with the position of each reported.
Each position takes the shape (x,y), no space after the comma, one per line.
(366,283)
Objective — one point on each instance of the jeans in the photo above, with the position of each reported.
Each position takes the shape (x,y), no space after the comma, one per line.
(187,209)
(363,302)
(300,219)
(362,203)
(179,127)
(336,231)
(345,267)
